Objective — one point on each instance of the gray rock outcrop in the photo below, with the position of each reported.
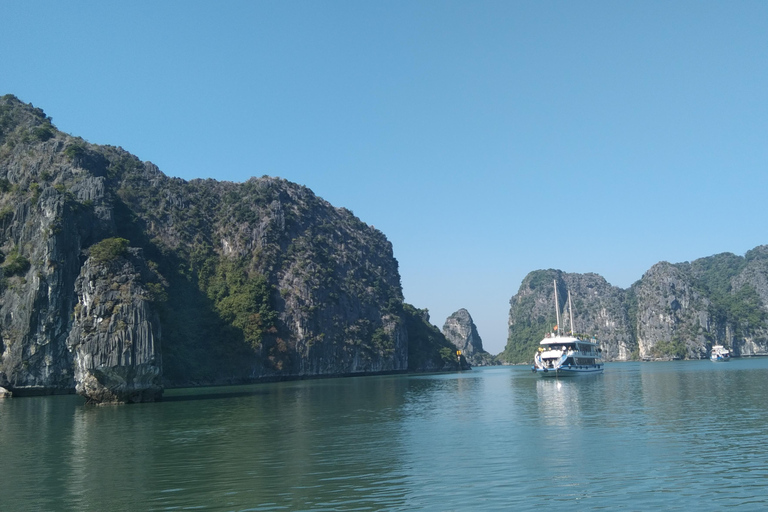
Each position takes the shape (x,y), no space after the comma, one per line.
(671,309)
(460,330)
(115,336)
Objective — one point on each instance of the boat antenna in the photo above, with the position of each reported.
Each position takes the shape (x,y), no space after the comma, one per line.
(557,309)
(570,310)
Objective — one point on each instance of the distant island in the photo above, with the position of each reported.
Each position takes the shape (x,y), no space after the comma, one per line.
(675,311)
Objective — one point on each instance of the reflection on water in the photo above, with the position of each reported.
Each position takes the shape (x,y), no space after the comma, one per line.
(558,401)
(640,436)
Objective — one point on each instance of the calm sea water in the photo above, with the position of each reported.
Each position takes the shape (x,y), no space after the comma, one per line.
(643,436)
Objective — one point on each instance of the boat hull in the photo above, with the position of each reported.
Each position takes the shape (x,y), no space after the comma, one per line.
(565,371)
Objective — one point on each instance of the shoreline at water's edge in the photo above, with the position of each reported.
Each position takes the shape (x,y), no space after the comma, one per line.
(31,391)
(35,391)
(23,392)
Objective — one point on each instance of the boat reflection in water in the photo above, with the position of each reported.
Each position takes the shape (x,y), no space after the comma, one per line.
(557,401)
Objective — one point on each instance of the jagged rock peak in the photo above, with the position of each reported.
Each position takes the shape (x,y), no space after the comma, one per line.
(462,332)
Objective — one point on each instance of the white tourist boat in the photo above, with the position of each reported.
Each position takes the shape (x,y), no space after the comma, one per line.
(720,353)
(566,355)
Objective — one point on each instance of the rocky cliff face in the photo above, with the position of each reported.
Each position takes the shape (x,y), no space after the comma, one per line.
(461,331)
(44,226)
(673,311)
(670,309)
(251,280)
(747,333)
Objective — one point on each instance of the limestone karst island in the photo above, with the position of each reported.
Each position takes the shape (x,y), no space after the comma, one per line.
(119,281)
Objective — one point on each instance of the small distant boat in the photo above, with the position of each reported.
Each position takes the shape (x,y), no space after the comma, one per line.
(719,353)
(567,355)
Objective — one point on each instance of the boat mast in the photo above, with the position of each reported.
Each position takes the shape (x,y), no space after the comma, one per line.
(570,310)
(557,309)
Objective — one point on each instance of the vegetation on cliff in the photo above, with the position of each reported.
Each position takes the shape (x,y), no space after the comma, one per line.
(730,304)
(528,321)
(109,249)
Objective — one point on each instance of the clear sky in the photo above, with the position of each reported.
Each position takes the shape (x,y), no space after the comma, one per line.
(486,139)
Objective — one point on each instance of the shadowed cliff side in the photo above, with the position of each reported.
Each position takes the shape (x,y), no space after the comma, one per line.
(429,350)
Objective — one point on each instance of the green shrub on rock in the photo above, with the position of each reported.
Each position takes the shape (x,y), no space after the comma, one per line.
(109,250)
(17,265)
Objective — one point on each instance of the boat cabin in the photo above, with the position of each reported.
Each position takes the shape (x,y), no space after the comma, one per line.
(576,351)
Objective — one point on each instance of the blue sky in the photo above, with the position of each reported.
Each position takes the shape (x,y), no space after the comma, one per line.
(485,139)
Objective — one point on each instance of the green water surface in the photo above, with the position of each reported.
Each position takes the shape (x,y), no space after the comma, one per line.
(644,436)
